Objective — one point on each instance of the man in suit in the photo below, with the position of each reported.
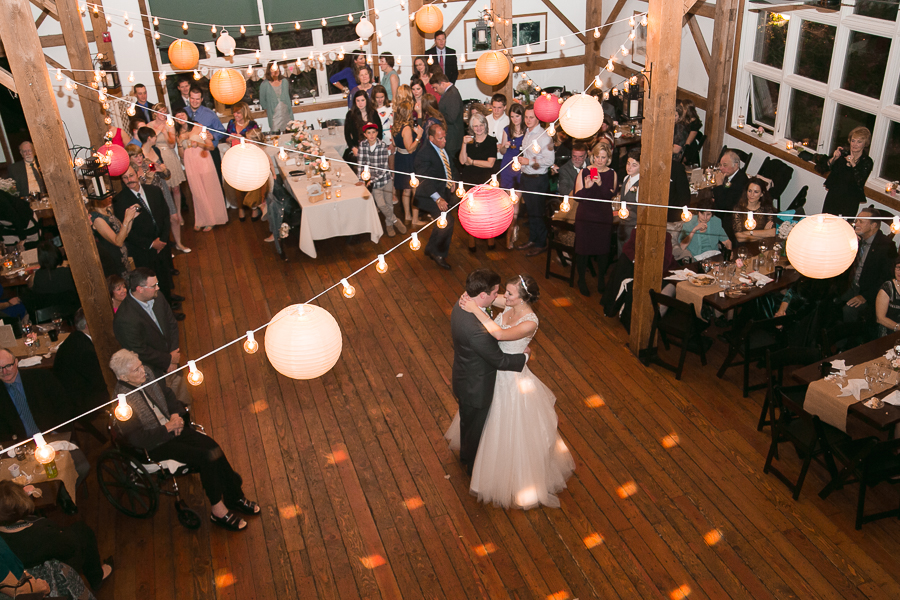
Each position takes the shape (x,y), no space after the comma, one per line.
(182,99)
(78,368)
(149,329)
(476,359)
(27,173)
(451,106)
(148,240)
(142,106)
(435,197)
(445,57)
(730,183)
(873,266)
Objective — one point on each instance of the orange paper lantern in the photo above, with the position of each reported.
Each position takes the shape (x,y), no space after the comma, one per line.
(119,161)
(546,108)
(227,86)
(486,212)
(183,55)
(429,19)
(492,68)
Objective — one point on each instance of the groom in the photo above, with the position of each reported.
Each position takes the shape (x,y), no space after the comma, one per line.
(476,359)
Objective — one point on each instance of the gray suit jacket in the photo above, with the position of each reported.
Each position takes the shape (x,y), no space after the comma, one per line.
(451,106)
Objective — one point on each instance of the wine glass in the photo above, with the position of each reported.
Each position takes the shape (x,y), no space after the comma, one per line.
(57,320)
(338,172)
(28,337)
(707,265)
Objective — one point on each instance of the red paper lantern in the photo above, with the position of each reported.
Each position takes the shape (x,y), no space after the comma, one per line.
(546,108)
(486,212)
(118,161)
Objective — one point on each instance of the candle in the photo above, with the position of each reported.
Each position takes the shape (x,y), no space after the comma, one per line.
(337,193)
(633,108)
(789,145)
(327,194)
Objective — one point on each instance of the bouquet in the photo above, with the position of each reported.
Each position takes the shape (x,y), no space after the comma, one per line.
(785,229)
(8,186)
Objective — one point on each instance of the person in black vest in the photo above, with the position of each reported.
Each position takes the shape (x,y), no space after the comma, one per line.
(78,368)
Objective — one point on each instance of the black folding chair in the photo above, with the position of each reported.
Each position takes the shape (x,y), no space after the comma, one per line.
(780,173)
(679,321)
(554,229)
(799,201)
(874,462)
(776,362)
(751,341)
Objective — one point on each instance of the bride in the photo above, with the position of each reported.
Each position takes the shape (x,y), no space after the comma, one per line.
(522,461)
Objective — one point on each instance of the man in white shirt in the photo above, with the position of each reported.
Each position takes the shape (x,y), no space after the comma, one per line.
(537,158)
(498,119)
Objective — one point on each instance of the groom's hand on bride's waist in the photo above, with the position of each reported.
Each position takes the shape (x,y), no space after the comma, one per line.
(527,353)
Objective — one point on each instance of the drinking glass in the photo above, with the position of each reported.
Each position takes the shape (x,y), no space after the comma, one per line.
(707,265)
(28,337)
(57,320)
(337,173)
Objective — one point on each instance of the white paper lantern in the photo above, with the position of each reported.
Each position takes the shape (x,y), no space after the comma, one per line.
(822,246)
(364,29)
(245,167)
(225,43)
(303,341)
(581,116)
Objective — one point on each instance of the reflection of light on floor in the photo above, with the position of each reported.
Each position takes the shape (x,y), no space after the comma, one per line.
(336,457)
(680,593)
(558,596)
(628,489)
(593,540)
(713,537)
(289,512)
(259,406)
(527,497)
(485,549)
(561,302)
(670,441)
(561,446)
(413,503)
(594,401)
(526,386)
(373,561)
(224,578)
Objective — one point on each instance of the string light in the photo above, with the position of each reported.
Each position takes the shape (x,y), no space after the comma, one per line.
(494,182)
(131,77)
(323,164)
(297,25)
(194,377)
(365,175)
(96,10)
(551,130)
(895,225)
(460,190)
(197,75)
(131,109)
(155,22)
(250,344)
(412,17)
(442,220)
(623,50)
(536,147)
(203,134)
(108,121)
(413,181)
(382,266)
(324,23)
(430,60)
(79,162)
(213,29)
(398,27)
(685,214)
(282,155)
(598,83)
(162,76)
(414,243)
(596,32)
(44,453)
(59,75)
(156,35)
(184,26)
(350,18)
(170,122)
(631,22)
(249,69)
(609,66)
(123,412)
(565,206)
(257,55)
(269,28)
(644,21)
(243,31)
(632,35)
(562,41)
(349,291)
(623,211)
(750,223)
(512,196)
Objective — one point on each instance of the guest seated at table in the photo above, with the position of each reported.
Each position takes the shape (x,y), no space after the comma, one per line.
(118,290)
(52,284)
(704,231)
(17,222)
(887,304)
(870,270)
(78,368)
(11,307)
(51,577)
(27,172)
(755,198)
(730,183)
(35,539)
(364,77)
(615,297)
(157,426)
(362,112)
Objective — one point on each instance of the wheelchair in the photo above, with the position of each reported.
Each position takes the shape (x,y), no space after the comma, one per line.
(132,482)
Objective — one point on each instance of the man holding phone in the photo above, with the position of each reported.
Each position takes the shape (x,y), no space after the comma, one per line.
(537,158)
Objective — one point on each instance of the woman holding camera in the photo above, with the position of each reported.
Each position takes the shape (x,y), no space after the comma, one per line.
(850,169)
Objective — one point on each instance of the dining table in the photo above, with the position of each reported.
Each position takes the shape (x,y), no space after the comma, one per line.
(350,210)
(31,472)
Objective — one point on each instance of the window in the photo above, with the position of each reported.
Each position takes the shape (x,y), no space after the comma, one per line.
(847,119)
(804,118)
(814,50)
(890,166)
(877,9)
(770,36)
(764,103)
(866,61)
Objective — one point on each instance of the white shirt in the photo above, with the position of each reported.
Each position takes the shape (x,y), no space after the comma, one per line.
(629,182)
(539,162)
(495,129)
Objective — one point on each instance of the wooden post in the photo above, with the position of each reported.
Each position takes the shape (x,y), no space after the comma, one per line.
(17,30)
(721,58)
(663,54)
(593,18)
(416,41)
(80,63)
(504,9)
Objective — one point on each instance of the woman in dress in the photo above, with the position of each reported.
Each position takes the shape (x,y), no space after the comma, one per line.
(522,461)
(477,157)
(423,72)
(695,139)
(385,112)
(167,146)
(209,202)
(594,220)
(406,139)
(510,146)
(430,114)
(275,98)
(846,183)
(418,92)
(118,290)
(110,234)
(345,79)
(364,76)
(239,126)
(887,304)
(362,112)
(755,198)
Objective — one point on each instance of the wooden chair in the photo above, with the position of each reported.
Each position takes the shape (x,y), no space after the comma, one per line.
(554,228)
(841,336)
(679,321)
(751,341)
(872,461)
(811,437)
(776,361)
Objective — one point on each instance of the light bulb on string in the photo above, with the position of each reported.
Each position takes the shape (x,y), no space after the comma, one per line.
(631,22)
(895,225)
(565,206)
(282,155)
(297,25)
(274,67)
(97,76)
(442,221)
(123,412)
(414,243)
(162,76)
(365,176)
(284,55)
(562,41)
(213,29)
(462,58)
(536,147)
(170,121)
(685,214)
(269,28)
(623,211)
(203,134)
(194,377)
(349,291)
(59,75)
(243,30)
(412,17)
(377,13)
(632,35)
(623,50)
(644,21)
(108,121)
(470,201)
(494,182)
(413,181)
(551,130)
(131,109)
(249,69)
(515,163)
(324,23)
(324,164)
(79,162)
(184,26)
(750,223)
(596,32)
(430,60)
(257,55)
(197,75)
(460,190)
(131,77)
(398,27)
(382,266)
(97,10)
(250,344)
(512,196)
(598,83)
(156,35)
(108,22)
(378,35)
(350,18)
(44,453)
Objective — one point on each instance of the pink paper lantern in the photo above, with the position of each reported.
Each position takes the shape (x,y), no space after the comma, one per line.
(546,108)
(118,161)
(486,212)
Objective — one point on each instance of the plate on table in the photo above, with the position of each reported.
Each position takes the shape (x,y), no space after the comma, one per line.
(702,280)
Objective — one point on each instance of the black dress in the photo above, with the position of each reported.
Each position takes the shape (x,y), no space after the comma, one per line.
(479,151)
(847,186)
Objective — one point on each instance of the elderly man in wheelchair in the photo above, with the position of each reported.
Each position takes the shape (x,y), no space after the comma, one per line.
(158,426)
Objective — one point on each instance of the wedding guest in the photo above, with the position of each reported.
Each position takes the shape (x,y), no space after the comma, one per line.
(50,577)
(730,183)
(850,168)
(182,99)
(17,222)
(154,160)
(535,178)
(133,125)
(253,200)
(364,77)
(373,152)
(434,194)
(150,173)
(407,138)
(275,98)
(362,112)
(451,106)
(389,78)
(569,171)
(594,220)
(118,290)
(52,284)
(404,93)
(209,201)
(240,125)
(430,114)
(875,255)
(110,234)
(694,142)
(384,110)
(167,144)
(142,105)
(887,303)
(444,57)
(681,133)
(704,232)
(424,72)
(477,157)
(205,117)
(498,120)
(27,172)
(755,198)
(345,79)
(417,87)
(629,195)
(510,146)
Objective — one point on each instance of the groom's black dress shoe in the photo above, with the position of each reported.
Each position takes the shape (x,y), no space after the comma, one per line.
(441,262)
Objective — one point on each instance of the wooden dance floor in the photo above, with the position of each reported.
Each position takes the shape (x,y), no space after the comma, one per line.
(362,499)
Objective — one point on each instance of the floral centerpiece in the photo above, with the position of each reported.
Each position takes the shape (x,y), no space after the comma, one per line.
(524,88)
(9,186)
(297,130)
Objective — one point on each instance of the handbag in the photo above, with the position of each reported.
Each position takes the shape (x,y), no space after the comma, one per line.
(29,595)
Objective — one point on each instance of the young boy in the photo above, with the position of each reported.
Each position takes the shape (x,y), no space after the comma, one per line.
(374,153)
(498,119)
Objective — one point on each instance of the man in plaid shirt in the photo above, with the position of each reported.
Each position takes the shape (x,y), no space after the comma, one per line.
(374,153)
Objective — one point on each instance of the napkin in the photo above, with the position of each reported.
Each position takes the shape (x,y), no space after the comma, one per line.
(61,445)
(854,387)
(706,255)
(681,275)
(892,398)
(760,279)
(30,361)
(840,365)
(745,280)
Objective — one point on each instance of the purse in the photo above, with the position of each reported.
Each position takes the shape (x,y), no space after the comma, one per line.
(29,595)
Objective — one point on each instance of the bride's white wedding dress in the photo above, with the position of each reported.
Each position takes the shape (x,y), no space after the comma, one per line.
(522,461)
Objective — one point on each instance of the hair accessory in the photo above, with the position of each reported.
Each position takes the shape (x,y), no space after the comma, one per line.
(523,284)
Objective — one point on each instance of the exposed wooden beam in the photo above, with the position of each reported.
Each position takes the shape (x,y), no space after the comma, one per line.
(535,65)
(613,15)
(504,7)
(41,18)
(45,125)
(48,6)
(699,41)
(373,47)
(459,17)
(664,53)
(6,79)
(688,5)
(721,59)
(53,41)
(698,100)
(593,17)
(151,52)
(57,65)
(416,41)
(549,4)
(80,62)
(703,8)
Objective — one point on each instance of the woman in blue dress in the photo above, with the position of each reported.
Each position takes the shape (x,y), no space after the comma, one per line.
(511,146)
(406,140)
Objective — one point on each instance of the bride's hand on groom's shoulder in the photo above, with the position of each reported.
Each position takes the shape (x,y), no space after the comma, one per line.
(463,300)
(467,304)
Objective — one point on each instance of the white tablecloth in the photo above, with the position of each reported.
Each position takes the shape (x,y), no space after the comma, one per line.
(351,214)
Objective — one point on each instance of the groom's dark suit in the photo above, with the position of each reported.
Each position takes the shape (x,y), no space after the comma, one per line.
(476,359)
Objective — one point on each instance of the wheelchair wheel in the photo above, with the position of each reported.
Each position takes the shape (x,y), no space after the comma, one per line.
(187,516)
(127,485)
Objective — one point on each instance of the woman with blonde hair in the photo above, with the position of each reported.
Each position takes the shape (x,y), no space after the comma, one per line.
(404,94)
(275,98)
(594,220)
(407,138)
(850,168)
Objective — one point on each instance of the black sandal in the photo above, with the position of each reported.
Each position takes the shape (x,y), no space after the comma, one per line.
(248,507)
(230,521)
(256,214)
